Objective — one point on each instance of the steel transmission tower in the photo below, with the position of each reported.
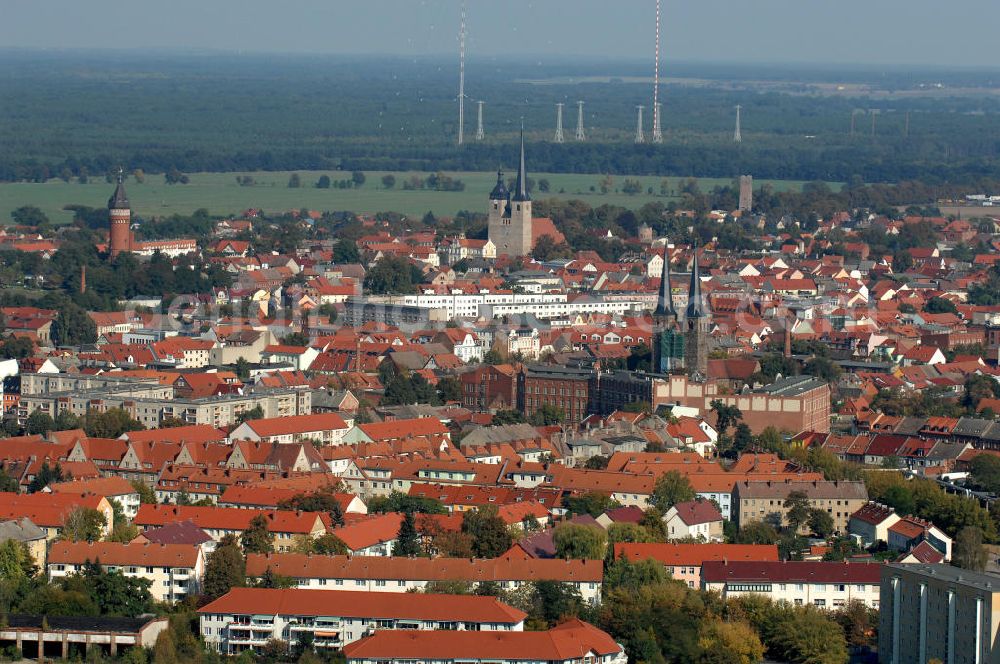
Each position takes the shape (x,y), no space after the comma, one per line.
(480,134)
(737,135)
(657,131)
(580,135)
(559,137)
(461,78)
(640,137)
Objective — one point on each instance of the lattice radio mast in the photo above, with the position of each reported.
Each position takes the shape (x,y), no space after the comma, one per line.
(580,135)
(559,137)
(480,134)
(640,137)
(461,78)
(657,132)
(737,135)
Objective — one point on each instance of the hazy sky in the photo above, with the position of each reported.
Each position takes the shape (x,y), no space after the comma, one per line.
(958,32)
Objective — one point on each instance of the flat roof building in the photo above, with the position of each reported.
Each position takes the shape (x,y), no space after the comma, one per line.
(938,612)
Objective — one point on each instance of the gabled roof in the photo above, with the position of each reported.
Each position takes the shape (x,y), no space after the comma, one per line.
(371,605)
(116,553)
(573,640)
(695,554)
(282,426)
(695,512)
(791,572)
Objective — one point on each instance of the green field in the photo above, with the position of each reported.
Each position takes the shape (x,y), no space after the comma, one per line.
(220,194)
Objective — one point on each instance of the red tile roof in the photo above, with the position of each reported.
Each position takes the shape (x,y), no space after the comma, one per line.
(353,604)
(116,553)
(695,554)
(791,572)
(570,641)
(695,512)
(299,566)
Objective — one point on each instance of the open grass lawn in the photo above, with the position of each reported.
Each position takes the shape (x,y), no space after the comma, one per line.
(220,194)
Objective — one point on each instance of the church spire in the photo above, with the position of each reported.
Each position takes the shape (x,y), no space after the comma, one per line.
(665,301)
(119,200)
(521,185)
(696,305)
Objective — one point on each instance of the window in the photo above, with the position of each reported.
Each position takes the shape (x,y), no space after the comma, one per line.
(819,602)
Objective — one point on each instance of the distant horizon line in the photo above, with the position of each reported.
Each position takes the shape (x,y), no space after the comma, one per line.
(447,56)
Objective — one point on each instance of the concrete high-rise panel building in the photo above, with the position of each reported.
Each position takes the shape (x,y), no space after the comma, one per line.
(746,193)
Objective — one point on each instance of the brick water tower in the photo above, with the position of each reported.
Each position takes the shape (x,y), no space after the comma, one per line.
(120,216)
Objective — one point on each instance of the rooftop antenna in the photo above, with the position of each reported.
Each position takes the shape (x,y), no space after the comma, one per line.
(737,135)
(639,136)
(580,135)
(559,137)
(480,134)
(461,78)
(657,132)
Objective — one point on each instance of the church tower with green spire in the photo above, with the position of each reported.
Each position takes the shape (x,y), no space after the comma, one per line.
(668,337)
(698,327)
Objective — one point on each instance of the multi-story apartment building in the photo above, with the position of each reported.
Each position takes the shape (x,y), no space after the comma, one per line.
(327,428)
(684,561)
(829,585)
(938,612)
(174,570)
(572,642)
(795,403)
(401,575)
(285,526)
(489,388)
(765,500)
(565,388)
(248,618)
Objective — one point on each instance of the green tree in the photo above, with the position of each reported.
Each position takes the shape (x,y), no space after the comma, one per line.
(39,422)
(116,594)
(358,178)
(502,417)
(323,182)
(225,569)
(756,532)
(622,574)
(257,538)
(725,415)
(728,641)
(397,501)
(940,305)
(574,541)
(493,358)
(47,475)
(969,552)
(807,636)
(490,537)
(83,524)
(407,540)
(346,251)
(388,181)
(328,545)
(294,181)
(671,488)
(797,504)
(547,415)
(593,503)
(392,275)
(255,413)
(7,483)
(146,494)
(110,423)
(820,523)
(73,326)
(29,215)
(242,369)
(66,420)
